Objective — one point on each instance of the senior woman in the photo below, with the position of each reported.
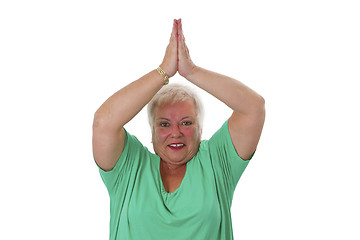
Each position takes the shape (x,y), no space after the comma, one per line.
(185,189)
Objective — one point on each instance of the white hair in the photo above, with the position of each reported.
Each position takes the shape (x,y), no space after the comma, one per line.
(173,93)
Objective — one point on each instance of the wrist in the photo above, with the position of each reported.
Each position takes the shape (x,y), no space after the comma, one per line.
(163,73)
(192,73)
(168,69)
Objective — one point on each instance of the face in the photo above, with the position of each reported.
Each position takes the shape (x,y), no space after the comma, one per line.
(176,133)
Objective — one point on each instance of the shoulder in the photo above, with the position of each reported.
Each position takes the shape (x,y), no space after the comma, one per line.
(132,152)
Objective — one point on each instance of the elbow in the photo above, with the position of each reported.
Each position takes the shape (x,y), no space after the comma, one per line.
(261,101)
(96,121)
(258,108)
(259,104)
(262,104)
(99,120)
(105,122)
(251,106)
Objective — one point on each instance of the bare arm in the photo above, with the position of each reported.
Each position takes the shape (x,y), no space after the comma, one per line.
(247,120)
(121,107)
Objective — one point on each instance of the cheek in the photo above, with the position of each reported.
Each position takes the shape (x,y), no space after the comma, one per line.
(161,134)
(191,133)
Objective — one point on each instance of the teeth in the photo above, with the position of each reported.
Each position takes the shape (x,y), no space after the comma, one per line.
(177,145)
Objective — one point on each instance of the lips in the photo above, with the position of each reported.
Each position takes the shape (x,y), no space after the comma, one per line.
(176,146)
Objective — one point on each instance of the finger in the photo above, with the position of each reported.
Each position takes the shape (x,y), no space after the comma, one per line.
(181,35)
(179,29)
(181,45)
(174,32)
(184,51)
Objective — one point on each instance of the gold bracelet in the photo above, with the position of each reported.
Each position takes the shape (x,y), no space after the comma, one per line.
(163,73)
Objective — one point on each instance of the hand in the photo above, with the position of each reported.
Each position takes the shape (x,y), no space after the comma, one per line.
(185,64)
(169,64)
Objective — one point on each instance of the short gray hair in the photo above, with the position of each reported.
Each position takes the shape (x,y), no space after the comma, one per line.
(173,93)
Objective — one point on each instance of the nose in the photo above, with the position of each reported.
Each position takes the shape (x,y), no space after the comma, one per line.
(175,131)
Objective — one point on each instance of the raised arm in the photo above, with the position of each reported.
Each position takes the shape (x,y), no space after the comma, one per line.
(247,120)
(121,107)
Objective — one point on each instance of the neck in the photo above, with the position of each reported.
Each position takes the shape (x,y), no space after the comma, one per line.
(171,168)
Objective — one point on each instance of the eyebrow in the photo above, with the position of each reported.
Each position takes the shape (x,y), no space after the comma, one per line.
(163,118)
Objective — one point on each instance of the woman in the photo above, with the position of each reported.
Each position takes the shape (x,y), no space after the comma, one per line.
(185,189)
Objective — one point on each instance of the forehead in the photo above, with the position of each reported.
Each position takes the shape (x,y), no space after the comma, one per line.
(178,109)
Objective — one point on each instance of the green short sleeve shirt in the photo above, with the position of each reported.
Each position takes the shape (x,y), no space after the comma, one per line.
(199,209)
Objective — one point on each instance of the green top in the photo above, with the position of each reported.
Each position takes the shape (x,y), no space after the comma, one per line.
(140,208)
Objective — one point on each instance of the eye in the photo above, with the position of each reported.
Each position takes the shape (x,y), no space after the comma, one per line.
(164,124)
(187,123)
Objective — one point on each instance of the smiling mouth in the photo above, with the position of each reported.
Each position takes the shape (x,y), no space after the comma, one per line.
(176,146)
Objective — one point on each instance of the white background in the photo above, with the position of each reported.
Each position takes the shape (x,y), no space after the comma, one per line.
(60,60)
